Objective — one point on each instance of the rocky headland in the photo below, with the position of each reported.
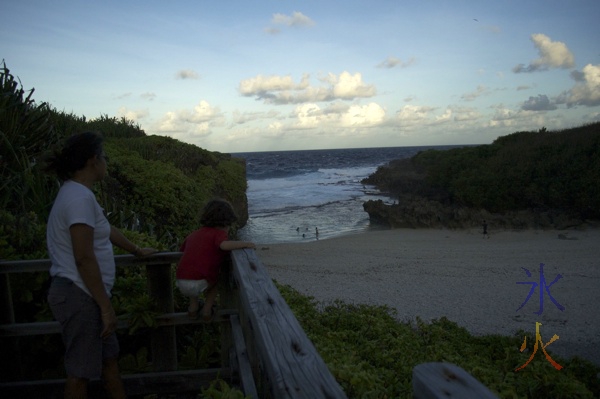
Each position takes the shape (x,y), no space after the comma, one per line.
(525,180)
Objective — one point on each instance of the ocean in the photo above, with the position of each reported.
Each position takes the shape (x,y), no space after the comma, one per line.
(299,196)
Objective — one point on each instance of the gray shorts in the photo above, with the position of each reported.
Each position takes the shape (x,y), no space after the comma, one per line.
(81,327)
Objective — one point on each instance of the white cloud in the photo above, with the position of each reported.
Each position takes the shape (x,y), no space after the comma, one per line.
(275,128)
(539,103)
(170,123)
(465,114)
(132,115)
(240,118)
(194,122)
(413,114)
(524,87)
(349,86)
(368,115)
(272,31)
(520,119)
(297,19)
(148,96)
(552,55)
(392,62)
(587,91)
(335,117)
(480,91)
(445,117)
(593,117)
(187,74)
(263,84)
(308,116)
(283,90)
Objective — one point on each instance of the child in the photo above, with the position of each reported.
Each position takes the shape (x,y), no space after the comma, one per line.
(204,251)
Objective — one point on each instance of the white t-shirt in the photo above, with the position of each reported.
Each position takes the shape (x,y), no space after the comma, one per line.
(74,204)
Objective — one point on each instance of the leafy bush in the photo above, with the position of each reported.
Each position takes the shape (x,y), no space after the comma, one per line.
(25,134)
(372,354)
(522,171)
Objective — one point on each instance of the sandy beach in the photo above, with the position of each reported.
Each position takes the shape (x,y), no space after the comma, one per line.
(460,275)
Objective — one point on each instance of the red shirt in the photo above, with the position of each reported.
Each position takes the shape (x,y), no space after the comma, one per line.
(202,256)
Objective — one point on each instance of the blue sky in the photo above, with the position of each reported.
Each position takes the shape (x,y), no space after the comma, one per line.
(237,76)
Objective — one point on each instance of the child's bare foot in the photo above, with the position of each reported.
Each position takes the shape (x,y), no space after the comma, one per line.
(208,316)
(194,308)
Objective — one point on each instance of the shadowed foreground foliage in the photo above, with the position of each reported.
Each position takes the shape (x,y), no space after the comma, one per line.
(372,354)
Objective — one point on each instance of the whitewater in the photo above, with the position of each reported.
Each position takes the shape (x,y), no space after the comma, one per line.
(300,196)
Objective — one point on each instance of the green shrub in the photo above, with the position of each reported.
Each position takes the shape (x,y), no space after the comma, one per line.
(372,354)
(542,170)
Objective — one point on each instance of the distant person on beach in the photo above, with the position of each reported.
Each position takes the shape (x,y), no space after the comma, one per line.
(485,230)
(80,245)
(204,251)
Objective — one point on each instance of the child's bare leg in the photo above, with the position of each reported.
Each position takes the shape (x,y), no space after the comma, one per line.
(210,295)
(193,308)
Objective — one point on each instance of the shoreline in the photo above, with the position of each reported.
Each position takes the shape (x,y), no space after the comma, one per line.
(430,273)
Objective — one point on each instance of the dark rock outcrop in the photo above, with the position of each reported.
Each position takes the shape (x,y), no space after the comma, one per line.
(419,212)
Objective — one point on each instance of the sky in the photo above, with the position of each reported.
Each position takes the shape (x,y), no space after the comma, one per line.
(240,76)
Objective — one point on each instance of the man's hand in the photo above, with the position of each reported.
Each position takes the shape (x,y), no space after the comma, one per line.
(109,320)
(141,252)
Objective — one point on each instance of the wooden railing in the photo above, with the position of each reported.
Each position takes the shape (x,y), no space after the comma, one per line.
(264,350)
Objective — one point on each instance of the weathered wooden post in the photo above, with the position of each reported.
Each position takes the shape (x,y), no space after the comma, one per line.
(289,365)
(11,363)
(226,301)
(163,339)
(447,380)
(234,351)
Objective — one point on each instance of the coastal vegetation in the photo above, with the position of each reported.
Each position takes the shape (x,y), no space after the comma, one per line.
(526,179)
(154,189)
(156,186)
(372,354)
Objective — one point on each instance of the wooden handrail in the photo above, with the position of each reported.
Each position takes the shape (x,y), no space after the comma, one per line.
(273,356)
(292,365)
(43,265)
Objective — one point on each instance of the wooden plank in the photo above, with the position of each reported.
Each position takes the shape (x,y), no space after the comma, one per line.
(226,301)
(135,384)
(246,377)
(43,265)
(52,327)
(163,339)
(11,367)
(24,266)
(293,366)
(447,380)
